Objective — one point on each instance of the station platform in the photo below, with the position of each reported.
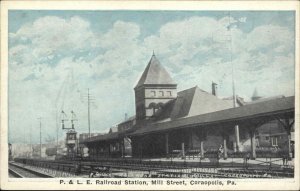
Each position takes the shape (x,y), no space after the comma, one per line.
(232,162)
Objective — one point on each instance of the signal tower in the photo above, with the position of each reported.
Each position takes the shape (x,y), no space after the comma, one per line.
(71,135)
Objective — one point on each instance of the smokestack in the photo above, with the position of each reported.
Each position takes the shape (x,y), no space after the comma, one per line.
(126,116)
(214,89)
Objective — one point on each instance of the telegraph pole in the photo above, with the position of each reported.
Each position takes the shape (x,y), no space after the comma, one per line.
(236,144)
(89,122)
(56,132)
(30,144)
(232,67)
(40,136)
(90,99)
(24,138)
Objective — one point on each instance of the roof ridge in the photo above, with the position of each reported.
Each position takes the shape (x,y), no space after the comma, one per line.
(188,89)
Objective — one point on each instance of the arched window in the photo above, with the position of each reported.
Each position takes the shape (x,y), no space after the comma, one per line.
(160,105)
(152,106)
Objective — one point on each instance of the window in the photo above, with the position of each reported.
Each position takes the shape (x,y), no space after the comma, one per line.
(169,93)
(153,93)
(267,138)
(274,141)
(161,93)
(152,106)
(71,137)
(159,105)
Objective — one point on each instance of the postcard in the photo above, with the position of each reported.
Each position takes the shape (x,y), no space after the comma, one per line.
(140,95)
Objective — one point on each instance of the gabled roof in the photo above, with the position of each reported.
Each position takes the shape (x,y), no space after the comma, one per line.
(183,103)
(204,102)
(191,102)
(285,105)
(155,73)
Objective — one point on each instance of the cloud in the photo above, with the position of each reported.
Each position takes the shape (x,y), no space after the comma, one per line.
(269,36)
(202,48)
(51,36)
(122,34)
(45,68)
(52,62)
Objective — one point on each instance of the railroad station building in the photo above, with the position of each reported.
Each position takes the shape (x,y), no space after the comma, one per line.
(195,122)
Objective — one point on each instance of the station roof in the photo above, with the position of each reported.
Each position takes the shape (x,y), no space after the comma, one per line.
(266,108)
(105,137)
(155,73)
(191,102)
(251,111)
(111,135)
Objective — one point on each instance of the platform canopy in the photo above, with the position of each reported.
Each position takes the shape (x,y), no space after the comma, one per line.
(284,106)
(105,137)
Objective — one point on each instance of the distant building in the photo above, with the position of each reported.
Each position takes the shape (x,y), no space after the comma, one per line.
(273,133)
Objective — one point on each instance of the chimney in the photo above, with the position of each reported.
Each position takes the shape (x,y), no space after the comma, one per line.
(126,116)
(214,89)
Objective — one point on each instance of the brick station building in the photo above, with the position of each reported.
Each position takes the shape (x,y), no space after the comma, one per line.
(195,122)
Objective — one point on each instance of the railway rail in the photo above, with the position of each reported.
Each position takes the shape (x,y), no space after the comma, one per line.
(153,169)
(14,174)
(18,171)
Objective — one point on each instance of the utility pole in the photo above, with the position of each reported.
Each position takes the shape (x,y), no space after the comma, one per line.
(236,144)
(90,99)
(232,67)
(24,138)
(57,128)
(40,136)
(89,119)
(30,144)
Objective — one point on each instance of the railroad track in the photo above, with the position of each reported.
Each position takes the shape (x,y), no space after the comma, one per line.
(17,171)
(115,169)
(13,174)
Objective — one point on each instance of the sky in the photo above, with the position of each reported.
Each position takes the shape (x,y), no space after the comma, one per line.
(56,56)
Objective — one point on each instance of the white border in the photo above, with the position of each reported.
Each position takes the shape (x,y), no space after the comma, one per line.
(42,184)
